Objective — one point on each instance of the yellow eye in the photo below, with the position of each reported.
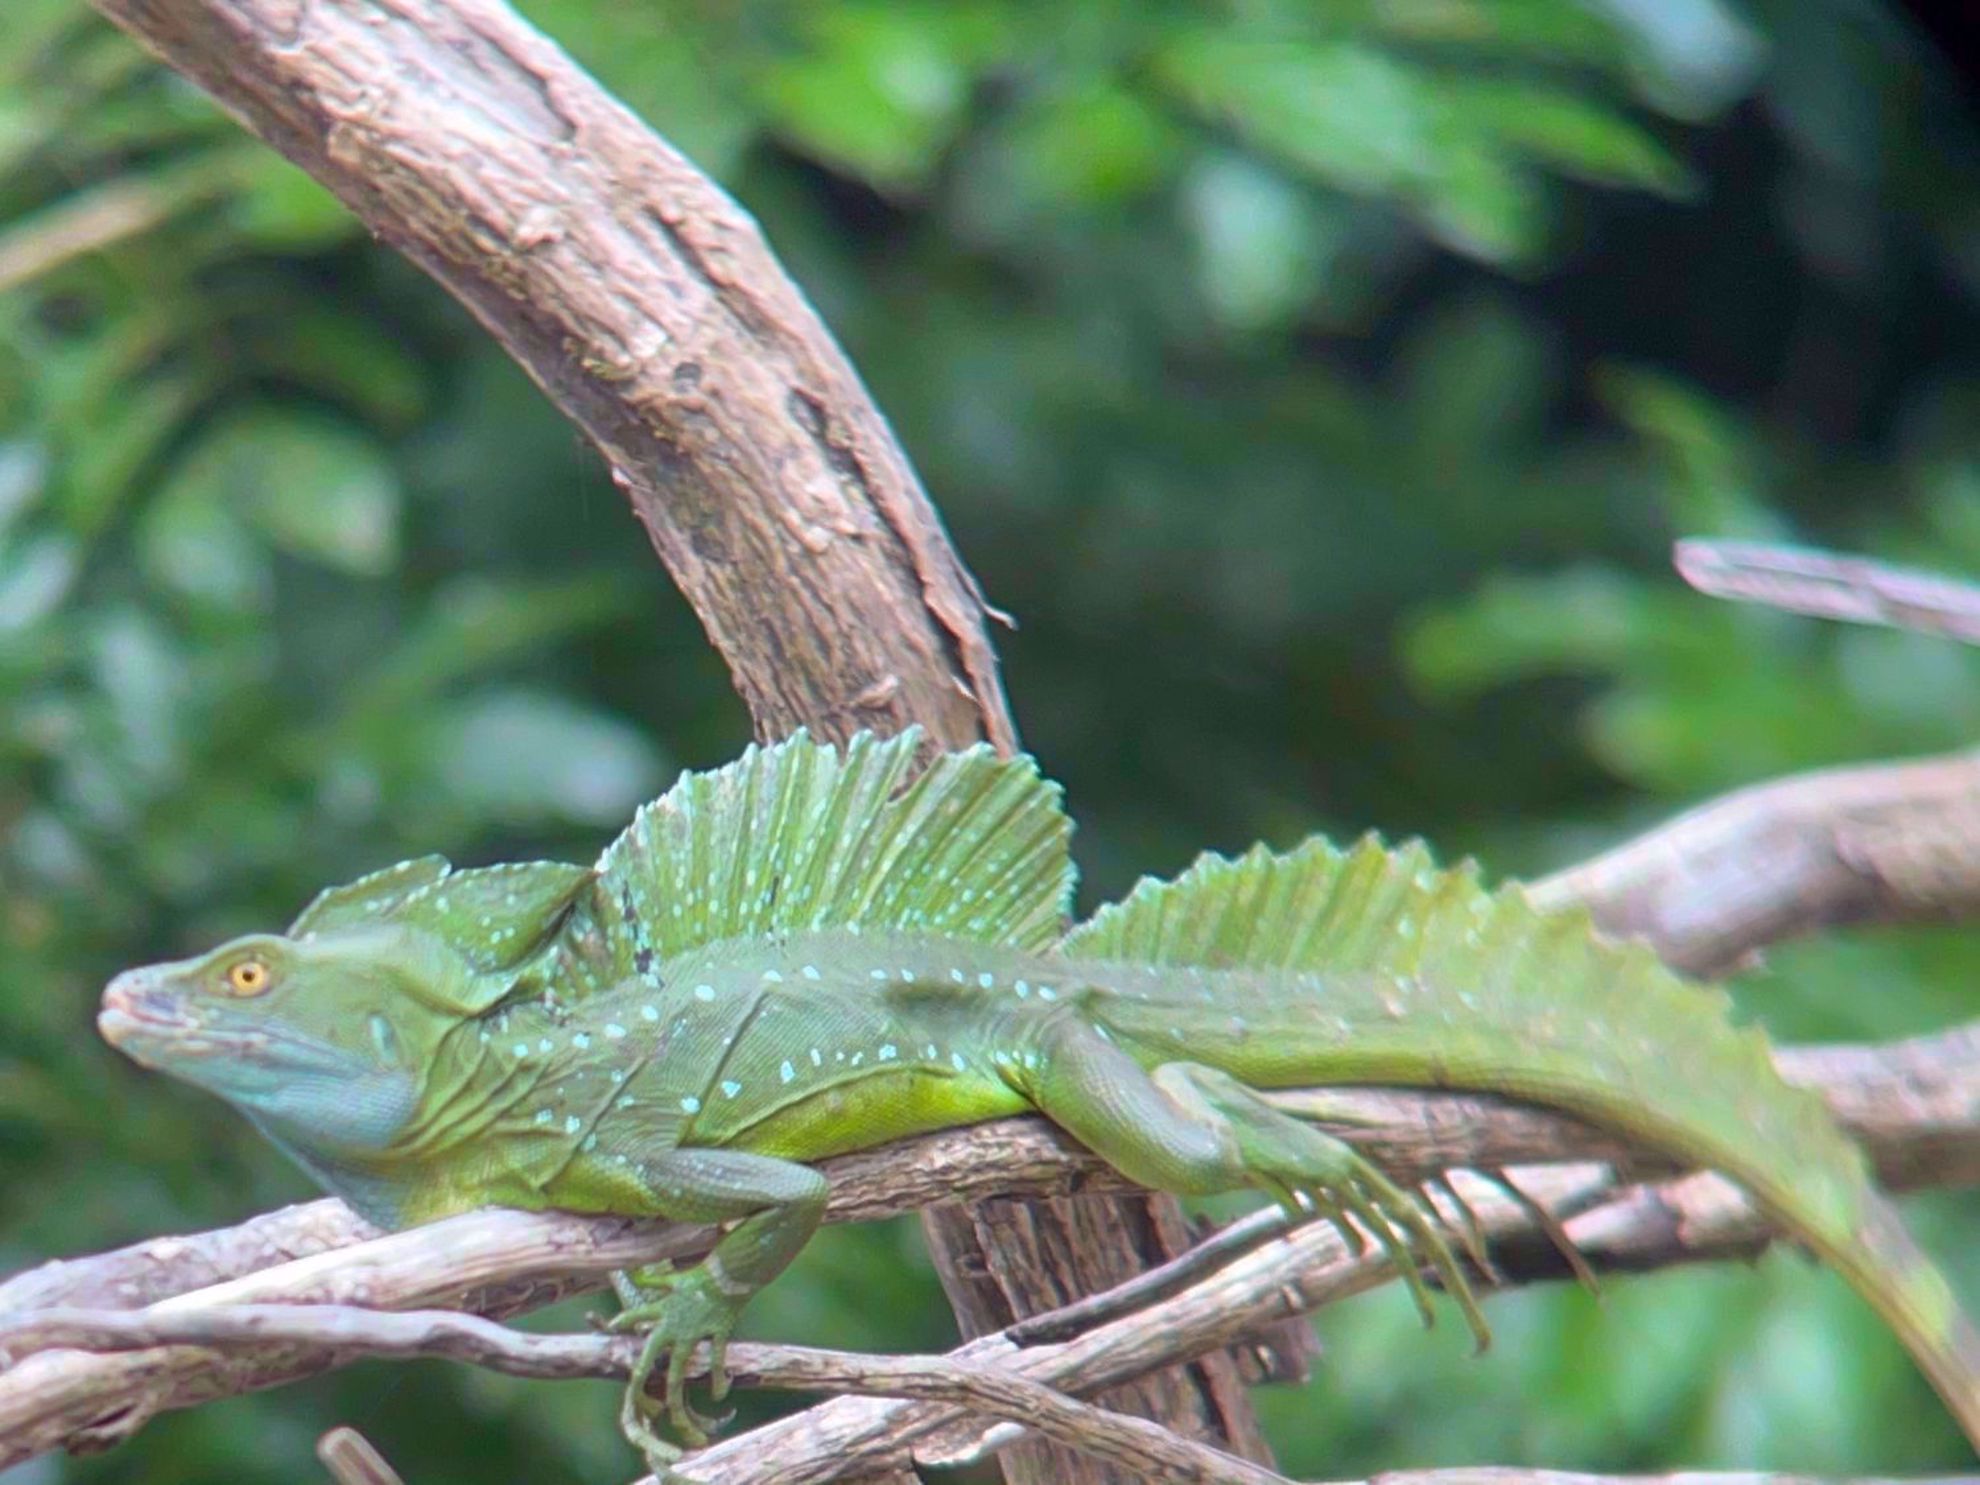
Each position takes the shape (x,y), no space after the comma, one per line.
(248,977)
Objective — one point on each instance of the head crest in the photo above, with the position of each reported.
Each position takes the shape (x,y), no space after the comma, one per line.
(494,917)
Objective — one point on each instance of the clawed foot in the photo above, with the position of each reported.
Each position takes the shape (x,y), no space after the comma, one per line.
(1400,1226)
(675,1312)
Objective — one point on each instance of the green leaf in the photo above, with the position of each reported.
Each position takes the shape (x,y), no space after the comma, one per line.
(23,480)
(314,485)
(1516,626)
(1345,112)
(35,576)
(355,361)
(1256,239)
(529,757)
(1089,145)
(1571,134)
(469,626)
(1481,204)
(319,487)
(878,93)
(277,206)
(194,547)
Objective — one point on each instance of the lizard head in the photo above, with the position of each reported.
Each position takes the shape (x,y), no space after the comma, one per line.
(326,1035)
(324,1038)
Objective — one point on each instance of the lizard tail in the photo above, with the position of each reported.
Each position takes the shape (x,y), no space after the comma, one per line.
(1832,1207)
(1909,1293)
(1372,965)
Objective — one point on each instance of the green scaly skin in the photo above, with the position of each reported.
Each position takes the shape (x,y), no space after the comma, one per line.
(427,1041)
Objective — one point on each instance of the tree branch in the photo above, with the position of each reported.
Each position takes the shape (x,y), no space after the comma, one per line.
(1916,1105)
(1884,842)
(986,1389)
(347,1331)
(1853,590)
(648,307)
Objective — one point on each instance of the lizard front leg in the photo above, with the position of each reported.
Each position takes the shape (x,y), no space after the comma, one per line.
(1196,1130)
(780,1204)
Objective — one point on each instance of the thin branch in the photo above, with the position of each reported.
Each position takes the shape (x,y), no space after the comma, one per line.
(1687,1220)
(351,1459)
(1824,585)
(1309,1267)
(1916,1105)
(346,1331)
(1883,843)
(1494,1475)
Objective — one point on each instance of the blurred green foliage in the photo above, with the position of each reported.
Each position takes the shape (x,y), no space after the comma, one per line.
(1320,387)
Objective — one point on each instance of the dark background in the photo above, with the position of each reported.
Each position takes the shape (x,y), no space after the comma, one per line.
(1321,396)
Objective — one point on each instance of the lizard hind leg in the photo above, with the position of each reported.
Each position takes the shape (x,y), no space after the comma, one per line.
(1196,1131)
(1281,1152)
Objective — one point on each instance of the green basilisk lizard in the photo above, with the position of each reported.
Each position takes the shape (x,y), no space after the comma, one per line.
(809,952)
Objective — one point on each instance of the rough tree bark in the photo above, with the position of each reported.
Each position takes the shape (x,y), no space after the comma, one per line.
(647,305)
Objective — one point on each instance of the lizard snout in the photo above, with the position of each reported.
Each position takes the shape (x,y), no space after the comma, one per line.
(134,1003)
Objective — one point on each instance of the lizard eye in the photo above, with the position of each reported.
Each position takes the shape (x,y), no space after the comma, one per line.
(248,977)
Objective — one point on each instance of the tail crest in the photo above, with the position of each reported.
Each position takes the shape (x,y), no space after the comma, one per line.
(1424,977)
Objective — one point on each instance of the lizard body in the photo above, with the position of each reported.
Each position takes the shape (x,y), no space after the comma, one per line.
(786,965)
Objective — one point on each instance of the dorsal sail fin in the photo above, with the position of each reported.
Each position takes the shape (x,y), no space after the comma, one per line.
(801,836)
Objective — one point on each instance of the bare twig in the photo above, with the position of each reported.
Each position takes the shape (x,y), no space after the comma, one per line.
(1493,1475)
(1826,586)
(346,1331)
(352,1460)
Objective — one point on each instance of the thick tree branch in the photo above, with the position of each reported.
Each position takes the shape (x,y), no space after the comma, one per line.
(646,303)
(1885,843)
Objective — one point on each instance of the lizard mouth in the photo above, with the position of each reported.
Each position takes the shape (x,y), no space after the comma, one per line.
(134,1016)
